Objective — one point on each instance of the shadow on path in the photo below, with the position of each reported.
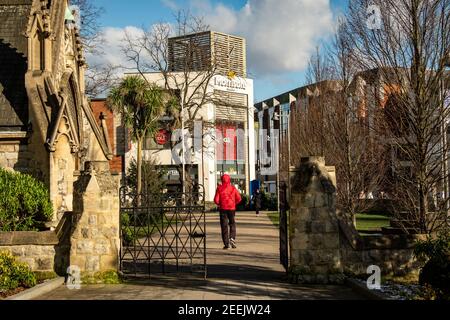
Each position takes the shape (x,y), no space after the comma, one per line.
(250,272)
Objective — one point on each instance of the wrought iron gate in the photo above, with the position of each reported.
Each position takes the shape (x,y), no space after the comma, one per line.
(163,233)
(284,231)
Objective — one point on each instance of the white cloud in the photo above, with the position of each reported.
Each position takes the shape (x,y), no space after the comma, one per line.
(171,4)
(281,34)
(112,47)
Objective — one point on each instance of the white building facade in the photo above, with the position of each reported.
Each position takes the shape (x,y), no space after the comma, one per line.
(222,142)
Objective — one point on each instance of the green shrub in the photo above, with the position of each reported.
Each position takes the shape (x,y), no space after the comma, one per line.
(152,177)
(14,274)
(128,236)
(269,202)
(436,272)
(105,277)
(24,202)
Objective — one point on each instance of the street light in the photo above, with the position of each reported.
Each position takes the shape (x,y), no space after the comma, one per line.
(278,117)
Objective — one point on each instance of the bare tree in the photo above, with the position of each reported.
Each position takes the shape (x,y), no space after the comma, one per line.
(186,66)
(334,123)
(353,149)
(314,129)
(99,77)
(90,27)
(406,41)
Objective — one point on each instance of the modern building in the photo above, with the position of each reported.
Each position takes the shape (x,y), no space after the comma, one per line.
(218,87)
(277,121)
(275,150)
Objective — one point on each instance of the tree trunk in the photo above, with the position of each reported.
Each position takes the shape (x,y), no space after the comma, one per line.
(139,166)
(423,209)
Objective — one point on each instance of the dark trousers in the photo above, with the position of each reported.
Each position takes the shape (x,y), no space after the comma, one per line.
(228,224)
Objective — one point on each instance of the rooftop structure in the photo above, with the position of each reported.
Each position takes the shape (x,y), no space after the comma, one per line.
(208,49)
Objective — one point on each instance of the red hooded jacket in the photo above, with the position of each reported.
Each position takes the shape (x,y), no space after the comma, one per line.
(227,197)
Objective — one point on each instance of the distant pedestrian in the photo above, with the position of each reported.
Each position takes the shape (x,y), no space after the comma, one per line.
(227,198)
(257,201)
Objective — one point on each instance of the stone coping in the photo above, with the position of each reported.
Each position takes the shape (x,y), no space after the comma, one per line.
(21,238)
(18,135)
(390,241)
(377,242)
(40,289)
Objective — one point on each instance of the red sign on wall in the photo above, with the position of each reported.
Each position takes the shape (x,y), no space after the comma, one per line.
(227,142)
(162,137)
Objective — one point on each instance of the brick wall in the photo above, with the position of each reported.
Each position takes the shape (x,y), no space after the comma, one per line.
(114,132)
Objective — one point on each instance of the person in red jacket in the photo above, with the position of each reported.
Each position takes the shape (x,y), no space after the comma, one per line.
(227,198)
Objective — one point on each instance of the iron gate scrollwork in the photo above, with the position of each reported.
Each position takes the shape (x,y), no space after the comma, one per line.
(284,231)
(163,233)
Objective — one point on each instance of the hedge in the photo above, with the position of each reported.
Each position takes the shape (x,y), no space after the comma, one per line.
(24,202)
(14,274)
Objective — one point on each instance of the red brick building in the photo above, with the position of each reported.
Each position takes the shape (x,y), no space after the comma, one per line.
(116,133)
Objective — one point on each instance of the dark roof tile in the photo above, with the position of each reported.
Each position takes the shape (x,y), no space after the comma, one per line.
(14,16)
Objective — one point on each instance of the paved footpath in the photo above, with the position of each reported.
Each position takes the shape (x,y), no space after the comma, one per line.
(251,272)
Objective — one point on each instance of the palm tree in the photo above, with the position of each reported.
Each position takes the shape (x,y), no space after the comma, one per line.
(141,105)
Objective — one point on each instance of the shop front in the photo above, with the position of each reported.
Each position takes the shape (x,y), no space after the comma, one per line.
(231,153)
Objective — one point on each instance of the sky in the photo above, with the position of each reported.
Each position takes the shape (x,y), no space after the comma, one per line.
(281,35)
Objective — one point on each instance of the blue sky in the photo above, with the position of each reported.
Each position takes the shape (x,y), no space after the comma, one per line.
(302,25)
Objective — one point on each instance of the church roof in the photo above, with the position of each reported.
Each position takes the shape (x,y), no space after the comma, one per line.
(14,16)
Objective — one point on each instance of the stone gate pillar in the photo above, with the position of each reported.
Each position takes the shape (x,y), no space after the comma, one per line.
(314,231)
(95,240)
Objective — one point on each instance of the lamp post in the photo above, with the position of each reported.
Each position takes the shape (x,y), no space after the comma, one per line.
(277,117)
(183,157)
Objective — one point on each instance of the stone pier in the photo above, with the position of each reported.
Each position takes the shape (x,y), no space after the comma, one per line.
(314,228)
(95,240)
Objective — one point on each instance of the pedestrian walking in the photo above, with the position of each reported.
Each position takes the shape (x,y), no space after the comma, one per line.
(227,198)
(257,201)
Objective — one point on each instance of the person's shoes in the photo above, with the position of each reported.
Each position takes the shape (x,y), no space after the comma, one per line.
(233,243)
(226,247)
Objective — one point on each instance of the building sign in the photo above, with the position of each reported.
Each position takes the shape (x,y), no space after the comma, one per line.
(226,142)
(230,84)
(230,139)
(162,137)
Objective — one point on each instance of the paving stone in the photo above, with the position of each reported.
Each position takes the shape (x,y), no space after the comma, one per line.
(250,272)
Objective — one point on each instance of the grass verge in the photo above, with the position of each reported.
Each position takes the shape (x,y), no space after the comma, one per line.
(364,222)
(370,222)
(275,218)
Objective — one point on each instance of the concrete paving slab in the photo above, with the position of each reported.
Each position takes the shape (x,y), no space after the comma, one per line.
(250,272)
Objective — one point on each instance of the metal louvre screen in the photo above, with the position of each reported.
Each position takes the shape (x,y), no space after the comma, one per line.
(190,52)
(231,106)
(229,53)
(205,50)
